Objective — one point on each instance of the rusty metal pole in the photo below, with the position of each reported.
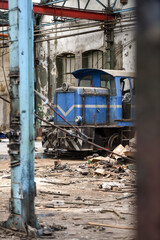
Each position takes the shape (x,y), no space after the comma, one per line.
(148,119)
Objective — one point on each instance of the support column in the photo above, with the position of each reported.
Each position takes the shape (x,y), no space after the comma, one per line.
(22,209)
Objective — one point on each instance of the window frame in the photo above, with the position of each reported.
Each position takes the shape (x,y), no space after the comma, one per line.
(89,55)
(114,91)
(86,80)
(62,62)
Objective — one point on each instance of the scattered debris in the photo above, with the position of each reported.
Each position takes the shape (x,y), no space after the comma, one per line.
(126,196)
(131,166)
(6,176)
(45,215)
(55,193)
(59,166)
(133,142)
(112,211)
(111,185)
(100,159)
(55,203)
(119,150)
(57,183)
(100,171)
(56,227)
(83,171)
(130,151)
(47,231)
(32,232)
(66,193)
(82,203)
(78,198)
(111,226)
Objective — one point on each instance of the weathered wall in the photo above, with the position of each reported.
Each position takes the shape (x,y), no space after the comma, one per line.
(125,40)
(125,50)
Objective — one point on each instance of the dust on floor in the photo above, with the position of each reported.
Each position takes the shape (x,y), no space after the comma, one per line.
(72,198)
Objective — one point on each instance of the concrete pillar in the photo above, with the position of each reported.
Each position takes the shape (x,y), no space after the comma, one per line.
(22,209)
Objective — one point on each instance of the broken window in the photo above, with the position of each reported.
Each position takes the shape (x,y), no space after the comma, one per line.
(65,64)
(93,59)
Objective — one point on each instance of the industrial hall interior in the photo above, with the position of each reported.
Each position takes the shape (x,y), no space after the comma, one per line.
(68,139)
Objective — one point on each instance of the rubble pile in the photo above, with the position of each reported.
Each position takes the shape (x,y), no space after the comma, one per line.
(106,166)
(111,168)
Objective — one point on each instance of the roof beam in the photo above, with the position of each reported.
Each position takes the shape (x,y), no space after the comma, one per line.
(65,12)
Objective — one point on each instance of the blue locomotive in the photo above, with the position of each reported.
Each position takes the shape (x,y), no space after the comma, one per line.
(102,107)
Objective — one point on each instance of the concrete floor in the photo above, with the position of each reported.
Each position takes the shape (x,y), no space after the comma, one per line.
(71,200)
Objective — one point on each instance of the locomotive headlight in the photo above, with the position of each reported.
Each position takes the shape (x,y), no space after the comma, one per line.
(65,86)
(78,119)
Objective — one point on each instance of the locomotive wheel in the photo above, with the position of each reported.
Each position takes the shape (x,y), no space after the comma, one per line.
(114,141)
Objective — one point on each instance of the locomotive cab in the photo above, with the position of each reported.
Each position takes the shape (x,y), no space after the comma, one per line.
(102,106)
(121,86)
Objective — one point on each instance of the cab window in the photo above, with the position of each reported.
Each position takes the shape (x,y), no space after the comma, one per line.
(125,85)
(108,81)
(126,98)
(86,81)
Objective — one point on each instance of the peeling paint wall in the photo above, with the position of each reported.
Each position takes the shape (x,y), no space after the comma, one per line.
(125,49)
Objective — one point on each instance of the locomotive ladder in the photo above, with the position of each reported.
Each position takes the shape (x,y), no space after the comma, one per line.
(126,135)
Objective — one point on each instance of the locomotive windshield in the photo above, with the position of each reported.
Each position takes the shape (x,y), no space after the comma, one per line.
(86,81)
(107,81)
(103,81)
